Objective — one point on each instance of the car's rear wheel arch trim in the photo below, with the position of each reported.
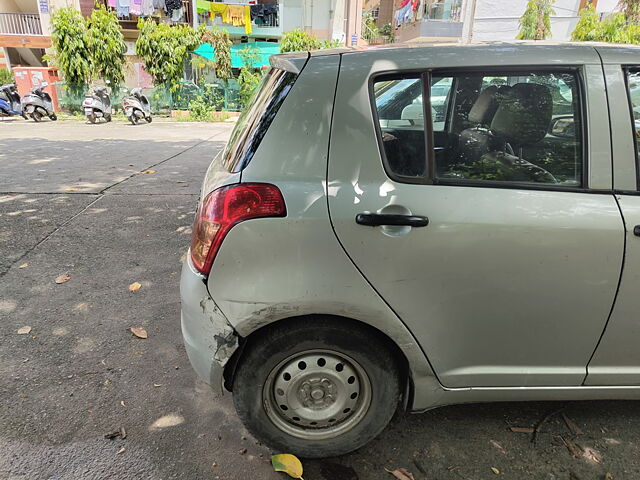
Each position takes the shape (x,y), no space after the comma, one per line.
(398,354)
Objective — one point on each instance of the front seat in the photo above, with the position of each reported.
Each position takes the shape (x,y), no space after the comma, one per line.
(521,119)
(478,140)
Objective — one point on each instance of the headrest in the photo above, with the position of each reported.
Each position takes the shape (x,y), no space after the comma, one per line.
(524,114)
(485,106)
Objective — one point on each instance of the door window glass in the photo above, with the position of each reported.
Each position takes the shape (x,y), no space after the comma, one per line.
(633,83)
(521,128)
(400,114)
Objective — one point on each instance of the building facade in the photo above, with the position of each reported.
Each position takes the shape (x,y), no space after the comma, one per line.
(479,20)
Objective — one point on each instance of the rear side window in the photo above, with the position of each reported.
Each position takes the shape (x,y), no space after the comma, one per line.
(521,127)
(255,121)
(633,84)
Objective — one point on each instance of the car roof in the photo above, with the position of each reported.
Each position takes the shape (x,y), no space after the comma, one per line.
(294,61)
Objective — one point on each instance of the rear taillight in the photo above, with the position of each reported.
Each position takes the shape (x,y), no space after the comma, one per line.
(225,207)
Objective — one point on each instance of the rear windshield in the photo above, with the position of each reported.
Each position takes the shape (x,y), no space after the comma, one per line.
(254,122)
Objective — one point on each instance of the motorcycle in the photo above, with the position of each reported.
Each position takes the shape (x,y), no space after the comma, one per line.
(97,104)
(10,101)
(136,107)
(38,104)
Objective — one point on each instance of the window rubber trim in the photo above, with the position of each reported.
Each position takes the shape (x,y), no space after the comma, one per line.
(626,70)
(430,178)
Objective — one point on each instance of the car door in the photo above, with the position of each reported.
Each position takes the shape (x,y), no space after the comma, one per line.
(617,359)
(501,256)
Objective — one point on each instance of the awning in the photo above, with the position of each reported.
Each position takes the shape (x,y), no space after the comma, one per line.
(265,49)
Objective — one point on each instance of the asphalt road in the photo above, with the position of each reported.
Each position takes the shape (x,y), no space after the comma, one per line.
(74,199)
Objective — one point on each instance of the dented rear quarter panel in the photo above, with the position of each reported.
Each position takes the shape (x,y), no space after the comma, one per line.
(277,268)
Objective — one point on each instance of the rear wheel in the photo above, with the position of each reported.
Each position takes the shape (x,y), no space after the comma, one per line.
(133,119)
(53,117)
(92,117)
(107,117)
(36,115)
(316,389)
(148,119)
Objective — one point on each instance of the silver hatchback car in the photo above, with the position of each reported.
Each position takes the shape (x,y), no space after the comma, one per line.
(412,227)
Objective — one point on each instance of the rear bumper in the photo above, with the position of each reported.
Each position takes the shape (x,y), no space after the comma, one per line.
(209,339)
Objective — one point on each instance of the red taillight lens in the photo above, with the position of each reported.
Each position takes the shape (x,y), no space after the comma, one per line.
(225,207)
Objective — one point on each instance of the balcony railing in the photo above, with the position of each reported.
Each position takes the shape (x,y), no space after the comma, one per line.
(20,24)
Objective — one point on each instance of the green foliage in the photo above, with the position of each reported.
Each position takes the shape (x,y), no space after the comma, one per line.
(164,49)
(72,52)
(106,45)
(369,28)
(616,28)
(630,9)
(535,22)
(387,31)
(249,77)
(200,110)
(298,41)
(218,38)
(588,27)
(6,76)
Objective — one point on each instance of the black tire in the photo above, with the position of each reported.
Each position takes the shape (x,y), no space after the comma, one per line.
(107,117)
(36,115)
(133,119)
(148,119)
(53,117)
(269,349)
(92,118)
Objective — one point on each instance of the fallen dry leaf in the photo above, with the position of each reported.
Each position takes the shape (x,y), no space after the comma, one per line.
(288,464)
(135,286)
(574,450)
(24,330)
(121,451)
(521,429)
(180,181)
(608,476)
(139,332)
(122,403)
(148,172)
(495,470)
(400,474)
(24,265)
(571,425)
(64,278)
(498,447)
(157,385)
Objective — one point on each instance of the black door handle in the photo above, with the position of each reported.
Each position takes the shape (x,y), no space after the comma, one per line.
(377,219)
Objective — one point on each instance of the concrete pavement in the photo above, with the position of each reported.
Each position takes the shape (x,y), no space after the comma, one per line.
(73,199)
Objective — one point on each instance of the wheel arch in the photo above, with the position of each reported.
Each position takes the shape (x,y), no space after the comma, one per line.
(403,363)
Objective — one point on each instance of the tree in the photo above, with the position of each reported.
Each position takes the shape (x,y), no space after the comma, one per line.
(249,77)
(6,76)
(72,53)
(589,26)
(218,38)
(535,22)
(298,41)
(106,45)
(631,9)
(164,49)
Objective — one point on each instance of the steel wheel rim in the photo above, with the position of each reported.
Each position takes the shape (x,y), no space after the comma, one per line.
(317,394)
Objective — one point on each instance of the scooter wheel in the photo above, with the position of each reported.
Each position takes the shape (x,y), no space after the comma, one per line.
(134,120)
(107,118)
(37,116)
(92,118)
(148,119)
(24,115)
(53,117)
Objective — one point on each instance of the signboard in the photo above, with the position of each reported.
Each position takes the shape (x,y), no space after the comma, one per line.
(43,6)
(354,39)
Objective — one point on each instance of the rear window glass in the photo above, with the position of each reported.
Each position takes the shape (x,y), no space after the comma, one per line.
(254,122)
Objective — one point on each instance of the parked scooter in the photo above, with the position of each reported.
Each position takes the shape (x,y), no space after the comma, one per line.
(136,107)
(97,104)
(38,104)
(10,101)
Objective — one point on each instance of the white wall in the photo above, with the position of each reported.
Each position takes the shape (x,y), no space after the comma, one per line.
(497,20)
(324,18)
